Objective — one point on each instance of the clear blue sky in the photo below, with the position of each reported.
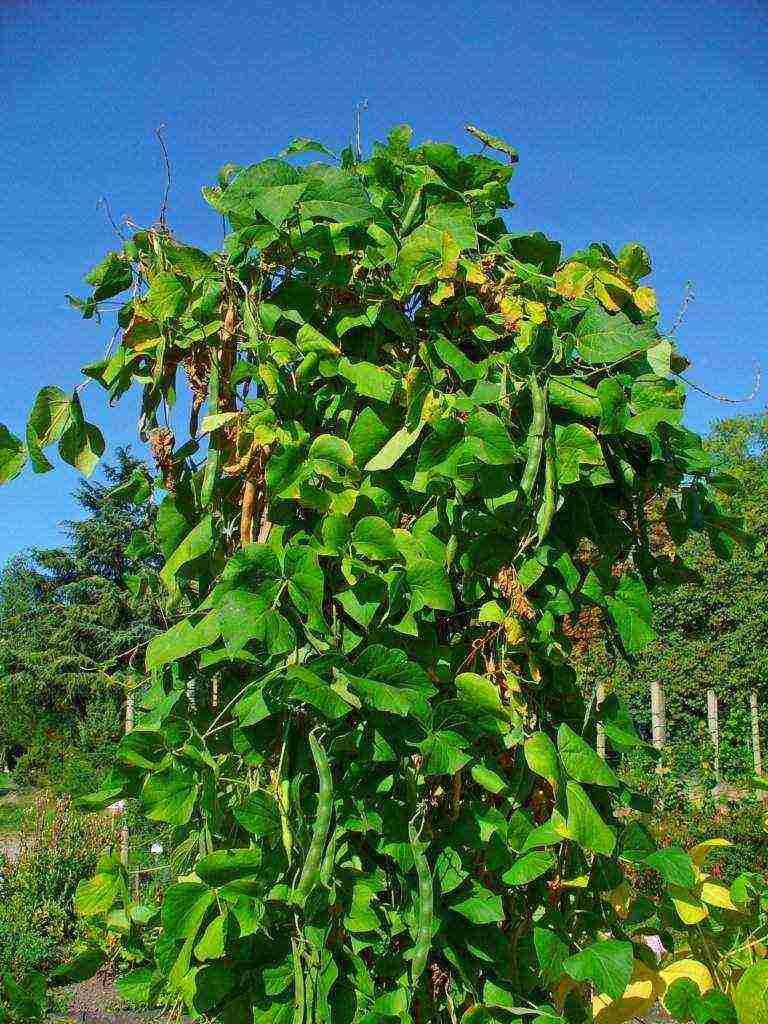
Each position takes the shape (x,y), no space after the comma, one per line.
(634,121)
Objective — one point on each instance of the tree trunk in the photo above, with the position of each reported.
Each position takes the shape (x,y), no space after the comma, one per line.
(714,729)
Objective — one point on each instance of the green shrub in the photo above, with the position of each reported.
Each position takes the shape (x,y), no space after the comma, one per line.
(37,924)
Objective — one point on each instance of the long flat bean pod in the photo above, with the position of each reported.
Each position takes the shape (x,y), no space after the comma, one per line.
(549,498)
(213,462)
(538,429)
(299,995)
(310,873)
(426,905)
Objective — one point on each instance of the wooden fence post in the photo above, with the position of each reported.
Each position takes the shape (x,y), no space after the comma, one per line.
(125,836)
(755,716)
(714,728)
(599,698)
(658,716)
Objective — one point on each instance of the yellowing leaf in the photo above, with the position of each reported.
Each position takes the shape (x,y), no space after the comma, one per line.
(474,273)
(644,989)
(699,852)
(717,896)
(688,968)
(645,299)
(689,907)
(612,291)
(573,280)
(619,898)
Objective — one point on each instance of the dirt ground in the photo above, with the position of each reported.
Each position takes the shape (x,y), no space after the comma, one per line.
(96,1001)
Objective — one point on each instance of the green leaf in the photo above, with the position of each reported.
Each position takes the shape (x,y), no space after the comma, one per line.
(574,396)
(96,895)
(585,826)
(13,455)
(452,356)
(394,449)
(167,297)
(192,262)
(50,415)
(197,542)
(308,687)
(375,538)
(608,963)
(457,220)
(604,337)
(630,609)
(751,999)
(481,698)
(444,753)
(541,757)
(674,865)
(529,867)
(449,870)
(181,640)
(329,453)
(369,380)
(427,254)
(82,967)
(245,616)
(136,986)
(367,435)
(551,952)
(212,943)
(228,865)
(576,446)
(302,144)
(479,905)
(429,585)
(682,998)
(634,261)
(276,202)
(259,814)
(81,444)
(111,276)
(580,761)
(170,795)
(185,904)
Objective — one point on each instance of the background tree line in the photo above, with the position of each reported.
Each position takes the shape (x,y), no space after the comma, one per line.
(72,617)
(712,632)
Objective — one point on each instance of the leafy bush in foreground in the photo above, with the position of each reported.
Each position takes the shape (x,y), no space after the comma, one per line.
(431,444)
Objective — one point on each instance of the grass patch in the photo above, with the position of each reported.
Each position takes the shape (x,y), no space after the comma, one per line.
(15,810)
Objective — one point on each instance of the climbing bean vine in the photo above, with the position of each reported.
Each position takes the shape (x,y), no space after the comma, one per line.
(431,446)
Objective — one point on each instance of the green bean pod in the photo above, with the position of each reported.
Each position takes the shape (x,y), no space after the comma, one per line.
(426,906)
(310,873)
(213,462)
(299,998)
(329,859)
(538,429)
(549,499)
(307,367)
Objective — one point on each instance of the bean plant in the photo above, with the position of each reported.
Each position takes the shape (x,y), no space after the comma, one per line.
(401,454)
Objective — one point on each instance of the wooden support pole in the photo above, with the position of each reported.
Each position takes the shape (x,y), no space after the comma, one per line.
(713,725)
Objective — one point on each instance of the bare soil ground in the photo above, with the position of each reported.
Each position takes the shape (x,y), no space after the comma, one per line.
(96,1001)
